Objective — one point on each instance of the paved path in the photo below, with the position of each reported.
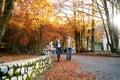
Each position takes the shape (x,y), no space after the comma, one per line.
(105,68)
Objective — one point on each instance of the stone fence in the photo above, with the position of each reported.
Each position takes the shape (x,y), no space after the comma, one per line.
(28,69)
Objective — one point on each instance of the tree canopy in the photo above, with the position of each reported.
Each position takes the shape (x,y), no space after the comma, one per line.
(29,23)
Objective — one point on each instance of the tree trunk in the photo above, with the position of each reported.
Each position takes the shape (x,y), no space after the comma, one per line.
(111,29)
(1,2)
(75,27)
(92,37)
(106,32)
(6,16)
(76,41)
(88,39)
(92,30)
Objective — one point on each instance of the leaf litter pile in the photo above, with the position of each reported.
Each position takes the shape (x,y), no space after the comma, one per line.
(8,57)
(67,70)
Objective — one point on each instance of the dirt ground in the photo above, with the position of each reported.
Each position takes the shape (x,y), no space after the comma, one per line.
(67,70)
(8,57)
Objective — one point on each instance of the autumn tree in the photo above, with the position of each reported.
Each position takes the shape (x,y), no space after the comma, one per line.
(32,26)
(111,9)
(80,17)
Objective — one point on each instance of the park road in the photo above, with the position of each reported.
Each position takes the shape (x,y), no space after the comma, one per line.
(105,68)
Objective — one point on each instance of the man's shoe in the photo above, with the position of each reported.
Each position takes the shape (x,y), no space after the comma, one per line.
(69,59)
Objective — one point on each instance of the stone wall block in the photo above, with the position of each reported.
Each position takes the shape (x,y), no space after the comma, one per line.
(20,78)
(3,69)
(29,73)
(19,64)
(22,70)
(23,63)
(7,79)
(30,68)
(25,69)
(37,65)
(11,72)
(4,77)
(10,66)
(14,78)
(24,76)
(17,72)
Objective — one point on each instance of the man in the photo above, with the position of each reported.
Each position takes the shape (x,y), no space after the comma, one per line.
(69,48)
(58,46)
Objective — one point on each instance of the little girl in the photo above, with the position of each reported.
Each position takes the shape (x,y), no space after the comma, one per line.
(50,47)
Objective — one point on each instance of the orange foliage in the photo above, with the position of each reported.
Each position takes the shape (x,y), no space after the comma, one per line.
(37,20)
